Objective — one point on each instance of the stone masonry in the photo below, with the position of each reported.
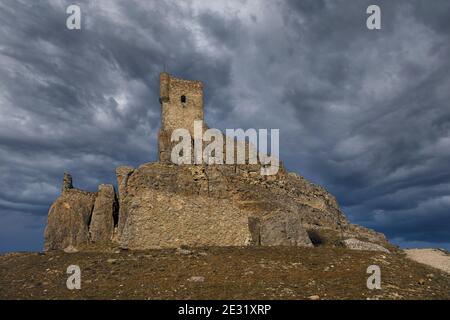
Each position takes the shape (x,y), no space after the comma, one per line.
(181,104)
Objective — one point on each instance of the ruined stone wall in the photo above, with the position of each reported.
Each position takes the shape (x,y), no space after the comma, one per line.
(164,220)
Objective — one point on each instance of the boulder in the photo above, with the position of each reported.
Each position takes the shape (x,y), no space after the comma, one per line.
(70,249)
(356,244)
(280,229)
(104,214)
(68,220)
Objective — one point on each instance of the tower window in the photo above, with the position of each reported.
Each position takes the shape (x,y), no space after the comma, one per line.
(183,99)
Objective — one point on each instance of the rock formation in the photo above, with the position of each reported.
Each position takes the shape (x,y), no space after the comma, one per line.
(356,244)
(162,204)
(104,214)
(69,217)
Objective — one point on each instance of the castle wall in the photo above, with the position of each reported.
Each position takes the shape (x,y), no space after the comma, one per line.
(165,220)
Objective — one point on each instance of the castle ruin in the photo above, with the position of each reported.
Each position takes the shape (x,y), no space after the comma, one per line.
(163,205)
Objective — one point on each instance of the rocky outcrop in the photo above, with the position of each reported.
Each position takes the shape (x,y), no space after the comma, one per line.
(78,217)
(365,234)
(122,175)
(279,229)
(67,182)
(356,244)
(68,219)
(101,228)
(166,205)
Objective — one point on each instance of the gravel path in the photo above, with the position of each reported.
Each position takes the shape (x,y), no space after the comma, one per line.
(432,257)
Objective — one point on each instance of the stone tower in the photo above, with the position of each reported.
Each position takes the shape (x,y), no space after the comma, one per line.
(181,104)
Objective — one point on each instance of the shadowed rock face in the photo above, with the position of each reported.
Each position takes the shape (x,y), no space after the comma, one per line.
(101,228)
(122,174)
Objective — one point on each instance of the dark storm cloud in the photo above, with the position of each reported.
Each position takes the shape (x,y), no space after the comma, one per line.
(387,159)
(364,113)
(83,101)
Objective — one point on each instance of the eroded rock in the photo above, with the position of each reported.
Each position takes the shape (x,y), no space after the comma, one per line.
(356,244)
(67,182)
(122,173)
(104,214)
(280,229)
(68,220)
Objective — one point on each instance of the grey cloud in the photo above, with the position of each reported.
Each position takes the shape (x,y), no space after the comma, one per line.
(363,113)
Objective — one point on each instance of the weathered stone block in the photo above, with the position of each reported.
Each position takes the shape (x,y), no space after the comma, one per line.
(356,244)
(280,229)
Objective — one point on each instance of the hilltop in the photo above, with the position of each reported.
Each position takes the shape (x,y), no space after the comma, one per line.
(219,273)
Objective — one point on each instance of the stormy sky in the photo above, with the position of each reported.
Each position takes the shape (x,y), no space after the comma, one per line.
(365,113)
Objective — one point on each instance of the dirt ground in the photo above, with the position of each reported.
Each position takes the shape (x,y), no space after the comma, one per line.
(220,273)
(433,257)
